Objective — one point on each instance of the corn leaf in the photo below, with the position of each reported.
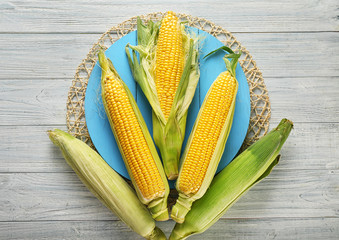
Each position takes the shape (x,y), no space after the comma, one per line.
(250,167)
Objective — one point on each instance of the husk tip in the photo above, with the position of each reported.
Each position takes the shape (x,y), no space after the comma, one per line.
(285,124)
(56,135)
(288,121)
(53,133)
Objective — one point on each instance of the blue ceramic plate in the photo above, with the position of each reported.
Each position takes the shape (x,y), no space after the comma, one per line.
(98,124)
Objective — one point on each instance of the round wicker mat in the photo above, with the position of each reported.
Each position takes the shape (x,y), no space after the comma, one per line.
(260,104)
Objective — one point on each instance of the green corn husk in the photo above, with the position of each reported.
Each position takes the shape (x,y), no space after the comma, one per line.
(184,201)
(251,166)
(168,134)
(158,206)
(107,185)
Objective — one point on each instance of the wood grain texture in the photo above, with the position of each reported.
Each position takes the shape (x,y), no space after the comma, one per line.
(28,102)
(294,43)
(62,197)
(237,16)
(49,56)
(275,228)
(294,54)
(307,99)
(43,102)
(300,152)
(43,56)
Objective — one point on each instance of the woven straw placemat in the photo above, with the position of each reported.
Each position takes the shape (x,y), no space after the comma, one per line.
(260,104)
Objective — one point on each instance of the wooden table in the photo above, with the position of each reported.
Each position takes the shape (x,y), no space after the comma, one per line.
(295,44)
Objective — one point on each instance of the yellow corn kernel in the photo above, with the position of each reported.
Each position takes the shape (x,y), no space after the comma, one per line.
(208,130)
(167,72)
(132,140)
(207,140)
(169,61)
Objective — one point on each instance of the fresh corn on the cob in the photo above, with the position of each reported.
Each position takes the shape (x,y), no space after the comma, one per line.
(107,185)
(207,141)
(169,61)
(251,166)
(134,141)
(167,73)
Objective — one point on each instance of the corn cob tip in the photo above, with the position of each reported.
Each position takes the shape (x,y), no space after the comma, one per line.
(230,65)
(50,134)
(55,134)
(170,13)
(285,122)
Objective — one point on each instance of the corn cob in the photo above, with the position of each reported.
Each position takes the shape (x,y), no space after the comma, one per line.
(251,166)
(207,141)
(168,63)
(107,185)
(134,141)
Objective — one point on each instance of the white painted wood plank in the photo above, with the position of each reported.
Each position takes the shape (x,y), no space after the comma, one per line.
(310,146)
(62,197)
(43,102)
(273,228)
(305,99)
(28,149)
(41,198)
(51,56)
(86,230)
(236,16)
(48,56)
(28,102)
(293,54)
